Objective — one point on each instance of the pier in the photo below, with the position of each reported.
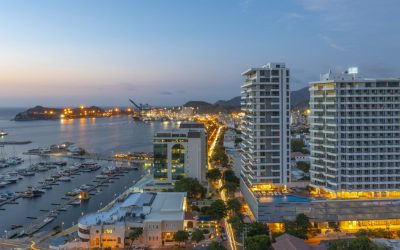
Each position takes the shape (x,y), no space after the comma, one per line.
(15,142)
(95,157)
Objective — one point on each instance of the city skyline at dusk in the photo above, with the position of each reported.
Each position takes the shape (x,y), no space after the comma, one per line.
(169,52)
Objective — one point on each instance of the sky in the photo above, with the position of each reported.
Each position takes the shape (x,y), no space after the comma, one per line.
(167,52)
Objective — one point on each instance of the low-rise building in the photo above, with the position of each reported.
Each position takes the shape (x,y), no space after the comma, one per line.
(160,215)
(290,242)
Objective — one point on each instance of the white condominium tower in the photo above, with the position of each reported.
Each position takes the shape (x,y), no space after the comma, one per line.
(355,134)
(265,130)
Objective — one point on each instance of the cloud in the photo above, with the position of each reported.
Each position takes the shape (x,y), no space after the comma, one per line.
(289,17)
(378,70)
(127,86)
(166,93)
(245,4)
(317,5)
(332,44)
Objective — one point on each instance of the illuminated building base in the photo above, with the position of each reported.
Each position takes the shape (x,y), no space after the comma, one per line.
(285,207)
(317,192)
(353,226)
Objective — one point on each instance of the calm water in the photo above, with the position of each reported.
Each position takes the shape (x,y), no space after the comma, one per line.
(105,135)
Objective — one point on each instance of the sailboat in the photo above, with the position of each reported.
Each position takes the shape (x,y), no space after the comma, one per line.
(3,133)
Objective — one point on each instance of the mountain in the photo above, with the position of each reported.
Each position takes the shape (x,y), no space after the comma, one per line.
(232,105)
(300,98)
(234,102)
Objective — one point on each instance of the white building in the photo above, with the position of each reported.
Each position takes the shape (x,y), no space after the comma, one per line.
(160,215)
(355,133)
(229,139)
(181,153)
(265,130)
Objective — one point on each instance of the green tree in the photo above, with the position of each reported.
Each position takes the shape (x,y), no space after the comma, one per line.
(134,234)
(339,244)
(298,146)
(362,242)
(215,245)
(230,187)
(237,225)
(300,227)
(217,210)
(181,236)
(233,205)
(257,228)
(304,166)
(214,174)
(258,242)
(229,176)
(375,233)
(198,235)
(191,186)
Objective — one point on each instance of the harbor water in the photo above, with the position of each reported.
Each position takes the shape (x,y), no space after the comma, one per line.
(102,135)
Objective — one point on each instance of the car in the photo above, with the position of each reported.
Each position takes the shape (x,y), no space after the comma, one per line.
(223,236)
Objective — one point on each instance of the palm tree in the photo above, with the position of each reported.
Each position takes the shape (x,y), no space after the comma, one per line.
(134,234)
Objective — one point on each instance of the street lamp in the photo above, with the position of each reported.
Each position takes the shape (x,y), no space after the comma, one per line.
(62,226)
(5,234)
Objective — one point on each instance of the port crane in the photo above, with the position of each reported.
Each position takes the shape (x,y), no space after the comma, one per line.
(140,109)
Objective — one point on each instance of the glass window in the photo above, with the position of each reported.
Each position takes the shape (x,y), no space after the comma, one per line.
(160,161)
(178,162)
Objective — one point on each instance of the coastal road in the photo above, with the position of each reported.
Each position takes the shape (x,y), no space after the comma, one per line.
(231,237)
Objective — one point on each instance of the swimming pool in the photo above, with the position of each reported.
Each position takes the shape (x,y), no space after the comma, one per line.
(284,198)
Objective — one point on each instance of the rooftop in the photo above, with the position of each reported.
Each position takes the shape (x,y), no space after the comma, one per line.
(266,66)
(290,242)
(191,125)
(350,74)
(140,207)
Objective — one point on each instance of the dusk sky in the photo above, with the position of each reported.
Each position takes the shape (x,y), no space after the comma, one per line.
(167,52)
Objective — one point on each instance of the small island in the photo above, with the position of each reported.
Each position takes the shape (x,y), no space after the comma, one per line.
(47,113)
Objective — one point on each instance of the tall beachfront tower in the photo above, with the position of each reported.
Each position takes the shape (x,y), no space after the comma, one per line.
(265,128)
(355,135)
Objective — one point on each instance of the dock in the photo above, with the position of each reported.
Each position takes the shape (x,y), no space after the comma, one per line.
(15,142)
(96,157)
(40,222)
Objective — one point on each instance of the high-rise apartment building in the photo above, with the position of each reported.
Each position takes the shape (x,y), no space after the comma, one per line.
(180,153)
(265,130)
(355,134)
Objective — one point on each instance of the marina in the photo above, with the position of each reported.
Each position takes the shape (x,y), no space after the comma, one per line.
(77,197)
(104,137)
(80,197)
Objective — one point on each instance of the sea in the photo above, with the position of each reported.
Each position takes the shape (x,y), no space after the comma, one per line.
(98,135)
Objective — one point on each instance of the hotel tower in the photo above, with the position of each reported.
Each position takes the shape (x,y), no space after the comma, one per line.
(355,135)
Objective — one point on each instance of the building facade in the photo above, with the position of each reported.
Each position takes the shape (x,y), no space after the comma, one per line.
(355,134)
(265,130)
(160,215)
(181,153)
(349,214)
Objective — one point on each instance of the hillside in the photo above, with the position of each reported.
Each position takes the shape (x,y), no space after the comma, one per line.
(232,105)
(299,99)
(234,102)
